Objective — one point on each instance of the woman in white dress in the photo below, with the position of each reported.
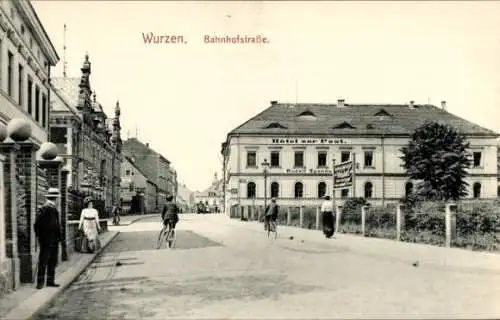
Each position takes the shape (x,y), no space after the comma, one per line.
(89,225)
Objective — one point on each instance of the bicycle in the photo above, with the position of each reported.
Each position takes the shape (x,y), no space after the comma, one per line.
(272,227)
(168,233)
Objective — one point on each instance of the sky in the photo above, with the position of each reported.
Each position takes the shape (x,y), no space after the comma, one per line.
(183,99)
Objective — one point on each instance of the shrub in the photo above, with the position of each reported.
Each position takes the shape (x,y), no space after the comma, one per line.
(380,222)
(295,216)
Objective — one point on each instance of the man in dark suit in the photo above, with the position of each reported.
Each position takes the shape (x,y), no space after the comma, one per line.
(48,232)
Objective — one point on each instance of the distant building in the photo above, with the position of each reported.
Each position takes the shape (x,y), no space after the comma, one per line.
(138,193)
(211,197)
(299,141)
(155,166)
(185,197)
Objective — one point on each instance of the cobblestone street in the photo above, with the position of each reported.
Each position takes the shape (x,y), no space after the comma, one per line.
(218,270)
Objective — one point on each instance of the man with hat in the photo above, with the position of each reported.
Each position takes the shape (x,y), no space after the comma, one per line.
(271,215)
(48,232)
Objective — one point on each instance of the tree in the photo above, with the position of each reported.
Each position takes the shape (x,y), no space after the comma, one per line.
(437,155)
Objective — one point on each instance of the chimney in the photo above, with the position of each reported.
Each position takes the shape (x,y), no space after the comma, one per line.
(443,105)
(274,102)
(340,103)
(147,144)
(411,104)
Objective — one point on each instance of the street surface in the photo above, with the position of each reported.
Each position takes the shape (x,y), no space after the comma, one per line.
(218,270)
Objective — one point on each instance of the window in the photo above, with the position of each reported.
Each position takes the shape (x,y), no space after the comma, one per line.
(344,156)
(20,84)
(477,190)
(131,187)
(251,190)
(45,114)
(322,159)
(299,190)
(299,158)
(368,190)
(37,103)
(369,159)
(275,190)
(275,159)
(127,172)
(251,159)
(408,189)
(30,100)
(10,73)
(321,189)
(477,159)
(345,193)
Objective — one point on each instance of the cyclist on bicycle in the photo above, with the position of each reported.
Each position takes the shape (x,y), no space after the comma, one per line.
(170,212)
(271,214)
(116,214)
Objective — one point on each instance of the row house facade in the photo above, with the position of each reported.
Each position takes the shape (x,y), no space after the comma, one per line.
(298,142)
(155,166)
(138,193)
(26,58)
(88,140)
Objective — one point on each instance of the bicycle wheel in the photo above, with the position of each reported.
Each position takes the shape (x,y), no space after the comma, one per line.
(171,238)
(161,237)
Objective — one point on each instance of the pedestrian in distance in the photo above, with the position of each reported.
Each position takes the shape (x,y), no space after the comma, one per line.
(271,213)
(89,226)
(327,217)
(48,232)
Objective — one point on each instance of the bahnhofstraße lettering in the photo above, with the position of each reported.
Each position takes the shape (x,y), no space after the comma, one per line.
(237,39)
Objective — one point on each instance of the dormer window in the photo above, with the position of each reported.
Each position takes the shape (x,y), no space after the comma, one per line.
(307,113)
(383,113)
(344,125)
(275,125)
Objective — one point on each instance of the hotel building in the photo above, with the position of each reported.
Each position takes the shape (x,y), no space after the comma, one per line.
(299,141)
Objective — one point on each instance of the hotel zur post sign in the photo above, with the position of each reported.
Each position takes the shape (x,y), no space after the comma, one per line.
(317,141)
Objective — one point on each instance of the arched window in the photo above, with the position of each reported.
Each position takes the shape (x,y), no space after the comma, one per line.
(251,190)
(275,190)
(477,190)
(299,190)
(368,190)
(321,189)
(408,188)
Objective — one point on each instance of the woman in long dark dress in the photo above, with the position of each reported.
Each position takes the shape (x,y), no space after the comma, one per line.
(327,217)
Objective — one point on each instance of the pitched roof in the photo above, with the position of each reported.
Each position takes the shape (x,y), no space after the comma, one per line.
(137,168)
(69,90)
(360,119)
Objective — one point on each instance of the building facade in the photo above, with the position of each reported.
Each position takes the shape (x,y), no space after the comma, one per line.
(185,198)
(89,141)
(138,193)
(26,58)
(155,166)
(299,141)
(211,197)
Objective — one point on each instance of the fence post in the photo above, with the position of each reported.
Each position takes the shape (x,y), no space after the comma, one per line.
(363,219)
(317,218)
(450,220)
(399,221)
(338,213)
(288,216)
(301,216)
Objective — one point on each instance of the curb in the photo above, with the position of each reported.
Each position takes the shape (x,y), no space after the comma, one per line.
(24,312)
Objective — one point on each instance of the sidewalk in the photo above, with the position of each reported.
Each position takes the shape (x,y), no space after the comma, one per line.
(127,220)
(25,302)
(387,249)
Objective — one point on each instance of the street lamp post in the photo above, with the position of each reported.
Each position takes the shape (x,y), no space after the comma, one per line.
(265,165)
